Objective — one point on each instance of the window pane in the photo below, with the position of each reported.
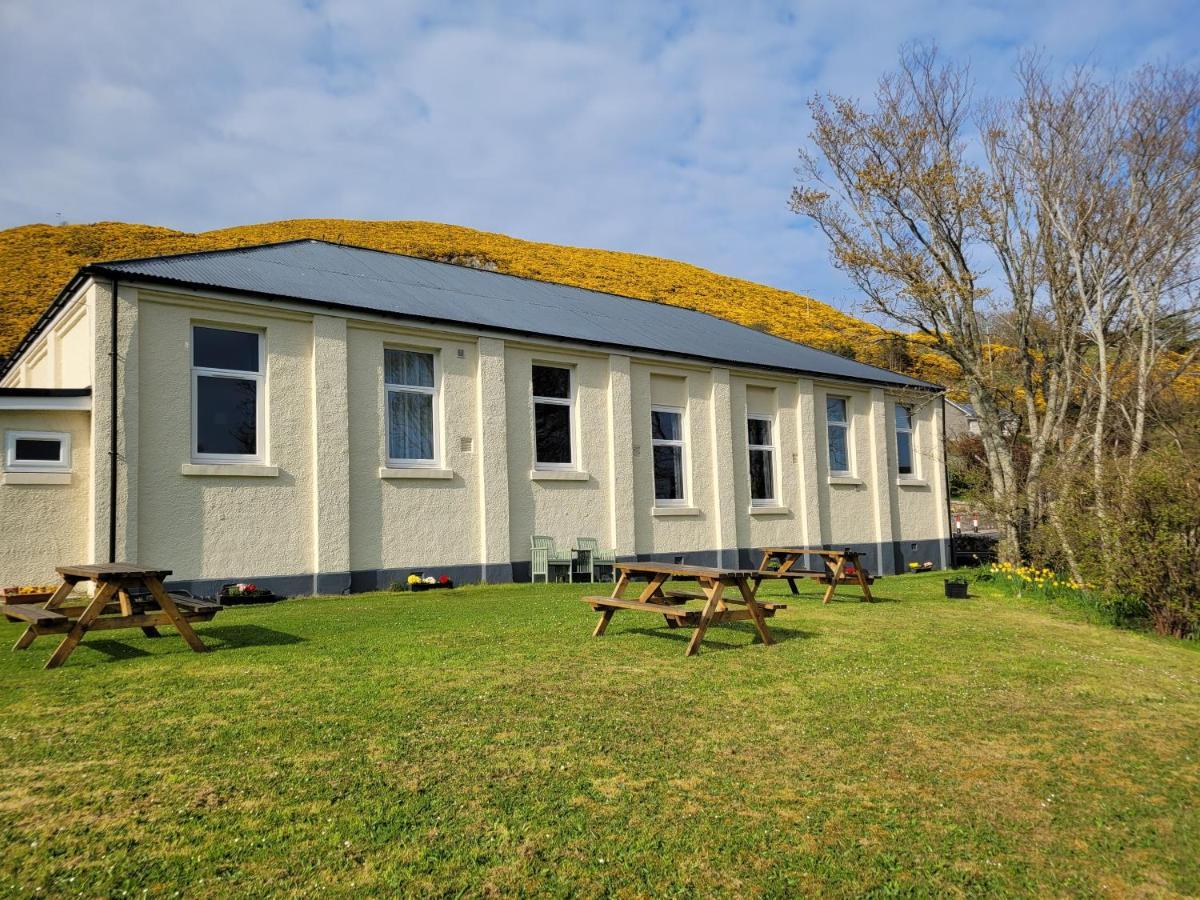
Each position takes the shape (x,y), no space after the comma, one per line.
(552,427)
(216,348)
(227,416)
(38,450)
(839,457)
(835,409)
(666,426)
(410,425)
(668,473)
(758,432)
(762,476)
(408,367)
(549,381)
(903,419)
(904,452)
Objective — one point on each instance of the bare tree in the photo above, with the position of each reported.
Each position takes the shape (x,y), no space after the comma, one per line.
(903,208)
(1044,244)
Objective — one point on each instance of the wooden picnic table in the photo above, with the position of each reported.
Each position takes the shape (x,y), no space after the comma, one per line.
(116,603)
(783,563)
(669,604)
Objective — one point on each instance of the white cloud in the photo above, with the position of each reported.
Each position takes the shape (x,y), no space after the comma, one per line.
(644,127)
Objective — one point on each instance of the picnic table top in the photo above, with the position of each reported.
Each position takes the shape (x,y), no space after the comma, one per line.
(812,551)
(112,571)
(657,568)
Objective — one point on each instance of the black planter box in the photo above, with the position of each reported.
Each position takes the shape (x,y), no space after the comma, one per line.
(227,599)
(956,590)
(430,587)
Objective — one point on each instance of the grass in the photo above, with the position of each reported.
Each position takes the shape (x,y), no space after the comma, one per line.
(482,742)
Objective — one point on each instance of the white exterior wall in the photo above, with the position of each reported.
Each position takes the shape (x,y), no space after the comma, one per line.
(562,504)
(44,518)
(61,357)
(432,518)
(324,513)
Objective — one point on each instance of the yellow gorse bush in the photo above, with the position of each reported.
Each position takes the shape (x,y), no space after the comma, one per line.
(37,260)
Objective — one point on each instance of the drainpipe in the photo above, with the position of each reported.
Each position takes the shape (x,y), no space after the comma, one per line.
(946,486)
(112,449)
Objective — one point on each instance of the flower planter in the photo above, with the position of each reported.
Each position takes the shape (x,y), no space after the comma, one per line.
(956,589)
(230,596)
(431,587)
(13,595)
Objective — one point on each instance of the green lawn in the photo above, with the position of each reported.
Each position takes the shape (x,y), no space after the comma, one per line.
(481,741)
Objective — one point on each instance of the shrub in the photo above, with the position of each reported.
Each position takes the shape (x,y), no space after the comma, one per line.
(1146,558)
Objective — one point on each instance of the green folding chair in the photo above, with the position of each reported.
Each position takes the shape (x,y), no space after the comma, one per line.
(545,558)
(596,557)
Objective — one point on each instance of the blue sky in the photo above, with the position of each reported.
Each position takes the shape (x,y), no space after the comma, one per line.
(661,128)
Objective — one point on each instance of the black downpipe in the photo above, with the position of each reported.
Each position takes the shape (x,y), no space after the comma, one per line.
(112,449)
(953,561)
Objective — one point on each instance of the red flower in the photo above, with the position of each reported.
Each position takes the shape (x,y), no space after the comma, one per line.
(849,570)
(445,579)
(251,588)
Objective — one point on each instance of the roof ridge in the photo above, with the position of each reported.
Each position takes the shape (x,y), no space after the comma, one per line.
(395,281)
(211,251)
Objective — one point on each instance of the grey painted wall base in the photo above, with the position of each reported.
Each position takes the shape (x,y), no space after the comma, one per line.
(327,583)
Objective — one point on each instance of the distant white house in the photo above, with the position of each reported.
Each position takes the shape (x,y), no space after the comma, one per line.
(322,418)
(960,419)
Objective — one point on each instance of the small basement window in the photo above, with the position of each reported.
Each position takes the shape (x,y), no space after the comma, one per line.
(37,451)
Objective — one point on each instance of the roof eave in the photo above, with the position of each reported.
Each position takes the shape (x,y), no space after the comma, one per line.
(46,399)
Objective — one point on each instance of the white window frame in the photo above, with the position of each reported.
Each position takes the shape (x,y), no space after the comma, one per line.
(62,464)
(434,392)
(682,444)
(912,443)
(770,448)
(849,435)
(260,380)
(569,403)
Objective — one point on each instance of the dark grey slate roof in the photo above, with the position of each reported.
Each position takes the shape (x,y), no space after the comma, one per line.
(412,288)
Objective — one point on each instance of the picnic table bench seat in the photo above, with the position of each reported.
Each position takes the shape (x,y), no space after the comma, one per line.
(195,604)
(666,609)
(18,612)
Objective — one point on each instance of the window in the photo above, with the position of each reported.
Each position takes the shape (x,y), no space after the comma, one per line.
(666,438)
(760,438)
(838,426)
(553,418)
(227,407)
(38,451)
(904,440)
(409,380)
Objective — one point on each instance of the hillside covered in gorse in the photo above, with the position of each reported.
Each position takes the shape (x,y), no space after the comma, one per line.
(37,260)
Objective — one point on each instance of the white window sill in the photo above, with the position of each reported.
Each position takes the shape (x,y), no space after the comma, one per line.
(770,511)
(906,482)
(36,478)
(558,475)
(230,470)
(416,472)
(675,511)
(846,479)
